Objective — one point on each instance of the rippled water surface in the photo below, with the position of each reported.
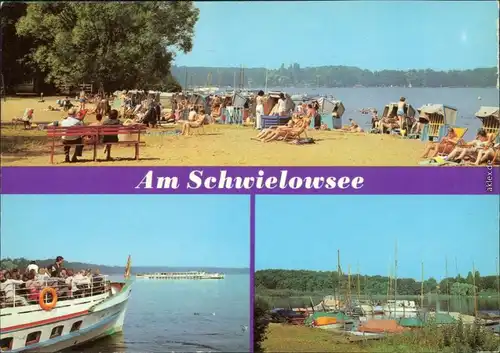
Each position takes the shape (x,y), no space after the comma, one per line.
(184,316)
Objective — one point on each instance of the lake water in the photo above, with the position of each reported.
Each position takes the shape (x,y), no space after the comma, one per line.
(161,317)
(464,99)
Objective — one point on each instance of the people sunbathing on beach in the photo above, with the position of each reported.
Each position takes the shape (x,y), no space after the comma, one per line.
(445,146)
(353,127)
(470,148)
(197,121)
(293,129)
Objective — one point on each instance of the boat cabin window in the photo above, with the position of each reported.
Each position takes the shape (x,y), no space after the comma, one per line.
(6,344)
(76,326)
(33,337)
(56,331)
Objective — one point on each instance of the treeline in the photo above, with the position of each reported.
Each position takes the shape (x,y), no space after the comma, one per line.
(22,263)
(311,281)
(333,76)
(113,45)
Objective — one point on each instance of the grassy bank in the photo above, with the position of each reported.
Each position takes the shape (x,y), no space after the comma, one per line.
(452,338)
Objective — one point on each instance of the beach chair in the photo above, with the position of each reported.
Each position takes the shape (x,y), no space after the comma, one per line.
(460,131)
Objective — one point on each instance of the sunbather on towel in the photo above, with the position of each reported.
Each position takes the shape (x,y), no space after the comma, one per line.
(446,145)
(459,152)
(198,122)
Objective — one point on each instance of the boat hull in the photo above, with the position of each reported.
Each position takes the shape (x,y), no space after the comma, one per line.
(99,320)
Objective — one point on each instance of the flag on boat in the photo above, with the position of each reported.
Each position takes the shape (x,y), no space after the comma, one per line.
(127,268)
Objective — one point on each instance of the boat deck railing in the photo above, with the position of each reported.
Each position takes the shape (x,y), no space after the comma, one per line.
(28,292)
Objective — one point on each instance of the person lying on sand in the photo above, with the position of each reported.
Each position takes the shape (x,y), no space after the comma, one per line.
(198,122)
(446,145)
(286,132)
(353,127)
(469,148)
(52,109)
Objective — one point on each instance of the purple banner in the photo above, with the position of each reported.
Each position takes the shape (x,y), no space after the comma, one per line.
(250,180)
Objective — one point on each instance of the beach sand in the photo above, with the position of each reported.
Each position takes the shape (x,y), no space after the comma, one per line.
(220,145)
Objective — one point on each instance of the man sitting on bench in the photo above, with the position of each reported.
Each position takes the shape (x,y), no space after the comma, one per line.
(113,121)
(72,120)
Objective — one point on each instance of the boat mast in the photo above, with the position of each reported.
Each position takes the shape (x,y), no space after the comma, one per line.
(395,276)
(389,283)
(458,275)
(422,288)
(447,284)
(359,287)
(348,290)
(474,285)
(339,275)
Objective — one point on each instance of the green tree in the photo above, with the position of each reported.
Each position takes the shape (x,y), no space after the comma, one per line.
(118,45)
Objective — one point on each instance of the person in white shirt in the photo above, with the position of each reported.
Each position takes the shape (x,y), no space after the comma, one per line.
(8,286)
(282,105)
(32,266)
(192,114)
(72,120)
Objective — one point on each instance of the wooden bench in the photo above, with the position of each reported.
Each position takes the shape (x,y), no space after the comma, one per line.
(92,136)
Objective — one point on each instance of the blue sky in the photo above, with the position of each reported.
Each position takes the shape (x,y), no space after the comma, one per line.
(157,230)
(304,232)
(369,34)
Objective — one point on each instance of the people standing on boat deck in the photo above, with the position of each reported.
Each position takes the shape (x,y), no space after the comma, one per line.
(282,105)
(56,267)
(8,287)
(401,111)
(42,275)
(259,109)
(32,266)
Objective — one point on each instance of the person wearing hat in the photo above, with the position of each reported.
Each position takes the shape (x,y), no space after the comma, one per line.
(55,269)
(73,119)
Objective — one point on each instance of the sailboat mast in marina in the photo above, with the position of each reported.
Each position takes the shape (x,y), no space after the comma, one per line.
(458,275)
(447,284)
(395,277)
(474,288)
(422,288)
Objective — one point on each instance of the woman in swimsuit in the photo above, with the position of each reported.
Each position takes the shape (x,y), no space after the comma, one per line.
(446,145)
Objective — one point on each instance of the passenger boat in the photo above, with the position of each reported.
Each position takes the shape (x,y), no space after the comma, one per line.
(181,275)
(55,322)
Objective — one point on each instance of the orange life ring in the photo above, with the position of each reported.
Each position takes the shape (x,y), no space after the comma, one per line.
(41,299)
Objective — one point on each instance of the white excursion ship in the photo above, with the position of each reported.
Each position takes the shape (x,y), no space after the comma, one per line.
(55,321)
(180,275)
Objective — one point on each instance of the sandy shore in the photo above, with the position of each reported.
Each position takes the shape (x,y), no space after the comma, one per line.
(221,145)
